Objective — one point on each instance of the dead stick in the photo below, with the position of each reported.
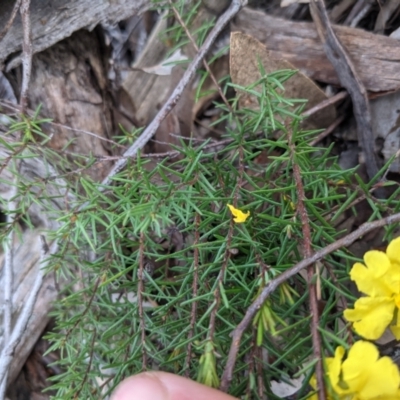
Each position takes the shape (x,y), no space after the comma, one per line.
(325,103)
(327,131)
(26,53)
(350,80)
(283,277)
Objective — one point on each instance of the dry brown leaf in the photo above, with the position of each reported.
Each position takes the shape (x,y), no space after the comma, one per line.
(247,52)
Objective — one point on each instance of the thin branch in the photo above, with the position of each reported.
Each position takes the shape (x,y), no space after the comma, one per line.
(227,254)
(26,53)
(140,291)
(97,136)
(17,109)
(249,360)
(87,308)
(307,241)
(193,313)
(283,277)
(325,103)
(220,279)
(206,66)
(365,10)
(148,133)
(353,12)
(328,130)
(89,365)
(11,19)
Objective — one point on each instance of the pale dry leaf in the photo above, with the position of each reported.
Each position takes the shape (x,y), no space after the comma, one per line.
(246,54)
(165,67)
(288,388)
(131,297)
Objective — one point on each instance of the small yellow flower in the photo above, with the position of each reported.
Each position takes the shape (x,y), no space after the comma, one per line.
(238,216)
(379,279)
(362,375)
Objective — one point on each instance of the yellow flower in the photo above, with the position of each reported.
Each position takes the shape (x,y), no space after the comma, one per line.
(379,279)
(362,375)
(238,216)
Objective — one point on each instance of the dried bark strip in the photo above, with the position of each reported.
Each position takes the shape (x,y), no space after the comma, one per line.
(55,20)
(298,43)
(9,348)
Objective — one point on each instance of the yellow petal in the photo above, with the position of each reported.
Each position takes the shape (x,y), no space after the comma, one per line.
(396,327)
(357,367)
(392,278)
(384,379)
(238,216)
(371,316)
(368,375)
(377,262)
(334,365)
(379,277)
(393,251)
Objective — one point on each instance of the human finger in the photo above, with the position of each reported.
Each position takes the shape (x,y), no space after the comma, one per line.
(157,385)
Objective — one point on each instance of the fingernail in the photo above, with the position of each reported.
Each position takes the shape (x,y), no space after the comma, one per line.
(145,386)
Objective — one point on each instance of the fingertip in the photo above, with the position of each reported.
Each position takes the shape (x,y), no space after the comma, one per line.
(159,385)
(144,386)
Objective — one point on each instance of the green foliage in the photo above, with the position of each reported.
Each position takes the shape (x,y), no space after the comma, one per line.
(165,233)
(206,269)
